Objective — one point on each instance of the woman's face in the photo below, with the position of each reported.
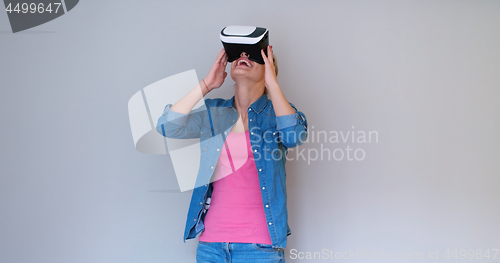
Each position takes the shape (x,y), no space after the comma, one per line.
(243,68)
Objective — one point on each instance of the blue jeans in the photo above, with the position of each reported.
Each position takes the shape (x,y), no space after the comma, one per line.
(229,252)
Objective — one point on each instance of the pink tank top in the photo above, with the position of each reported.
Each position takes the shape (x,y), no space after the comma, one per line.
(236,212)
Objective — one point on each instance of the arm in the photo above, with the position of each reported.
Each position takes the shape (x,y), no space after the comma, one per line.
(172,124)
(292,128)
(290,123)
(179,120)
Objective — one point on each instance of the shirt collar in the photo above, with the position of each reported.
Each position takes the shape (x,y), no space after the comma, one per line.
(257,106)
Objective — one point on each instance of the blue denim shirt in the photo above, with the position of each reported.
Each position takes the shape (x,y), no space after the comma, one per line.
(270,137)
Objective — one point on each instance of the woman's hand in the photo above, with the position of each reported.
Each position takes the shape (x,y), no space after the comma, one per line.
(217,73)
(270,71)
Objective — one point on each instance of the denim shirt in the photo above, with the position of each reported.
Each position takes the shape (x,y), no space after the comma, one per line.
(270,138)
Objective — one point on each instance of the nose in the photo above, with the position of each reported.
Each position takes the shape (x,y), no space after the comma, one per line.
(244,54)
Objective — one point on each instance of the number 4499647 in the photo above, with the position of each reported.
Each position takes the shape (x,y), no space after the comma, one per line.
(33,8)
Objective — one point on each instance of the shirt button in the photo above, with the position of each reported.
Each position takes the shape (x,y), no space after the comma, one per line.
(260,170)
(205,185)
(233,120)
(250,109)
(225,132)
(270,223)
(251,132)
(217,149)
(255,151)
(250,119)
(201,203)
(195,219)
(212,167)
(201,132)
(263,188)
(274,133)
(267,205)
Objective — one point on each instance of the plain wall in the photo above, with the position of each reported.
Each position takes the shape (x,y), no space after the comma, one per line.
(423,75)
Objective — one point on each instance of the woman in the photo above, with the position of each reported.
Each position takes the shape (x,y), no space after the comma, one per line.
(239,201)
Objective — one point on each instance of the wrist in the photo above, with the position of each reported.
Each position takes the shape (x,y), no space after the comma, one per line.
(205,86)
(273,86)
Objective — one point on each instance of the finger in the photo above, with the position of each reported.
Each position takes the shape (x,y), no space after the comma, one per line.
(264,56)
(220,55)
(223,60)
(270,53)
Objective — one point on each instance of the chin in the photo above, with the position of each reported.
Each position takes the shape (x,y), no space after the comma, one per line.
(242,76)
(246,74)
(239,73)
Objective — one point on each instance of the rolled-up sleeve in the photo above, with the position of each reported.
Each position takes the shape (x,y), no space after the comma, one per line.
(292,128)
(178,125)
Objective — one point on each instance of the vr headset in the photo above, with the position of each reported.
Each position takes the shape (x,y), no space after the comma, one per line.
(249,39)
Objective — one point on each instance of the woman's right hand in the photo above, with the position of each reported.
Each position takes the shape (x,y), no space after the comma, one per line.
(217,73)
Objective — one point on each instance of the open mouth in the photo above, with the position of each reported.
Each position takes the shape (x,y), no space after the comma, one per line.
(243,63)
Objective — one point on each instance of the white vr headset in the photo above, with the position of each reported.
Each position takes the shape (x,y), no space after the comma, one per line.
(249,39)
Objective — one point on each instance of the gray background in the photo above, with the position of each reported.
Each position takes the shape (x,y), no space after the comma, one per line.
(423,74)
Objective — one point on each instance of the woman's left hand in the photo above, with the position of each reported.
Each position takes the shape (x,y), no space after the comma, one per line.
(270,71)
